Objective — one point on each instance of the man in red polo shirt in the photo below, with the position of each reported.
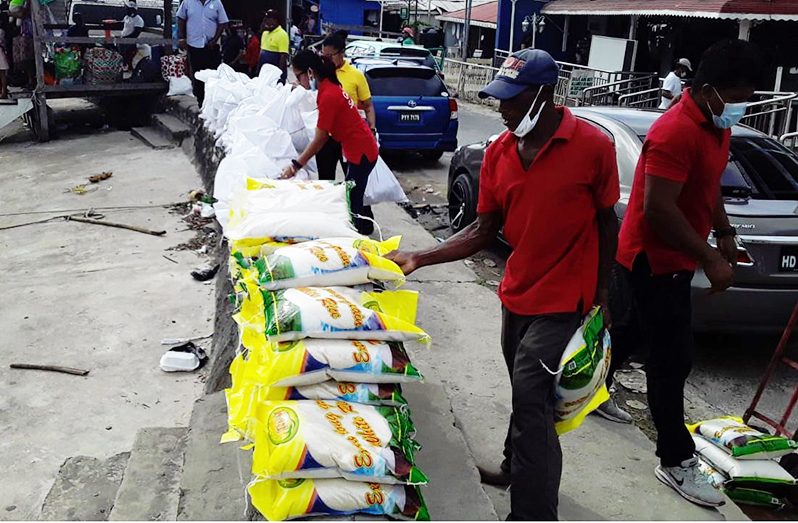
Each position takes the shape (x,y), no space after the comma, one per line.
(675,202)
(552,181)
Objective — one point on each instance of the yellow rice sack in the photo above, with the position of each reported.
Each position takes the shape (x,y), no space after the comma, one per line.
(323,439)
(298,498)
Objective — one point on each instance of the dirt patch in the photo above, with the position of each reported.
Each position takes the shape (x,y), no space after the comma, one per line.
(206,239)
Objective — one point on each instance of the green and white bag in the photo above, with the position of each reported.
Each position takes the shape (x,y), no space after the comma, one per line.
(743,442)
(580,387)
(760,474)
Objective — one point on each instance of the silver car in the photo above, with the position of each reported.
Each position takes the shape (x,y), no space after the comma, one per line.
(760,186)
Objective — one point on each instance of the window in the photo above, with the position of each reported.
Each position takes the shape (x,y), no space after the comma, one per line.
(399,81)
(769,169)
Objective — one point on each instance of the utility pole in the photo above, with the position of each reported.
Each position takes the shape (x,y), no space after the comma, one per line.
(512,27)
(288,4)
(466,29)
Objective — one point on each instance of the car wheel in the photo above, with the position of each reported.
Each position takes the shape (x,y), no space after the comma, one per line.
(462,202)
(432,156)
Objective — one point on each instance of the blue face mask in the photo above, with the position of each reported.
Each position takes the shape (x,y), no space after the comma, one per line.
(731,115)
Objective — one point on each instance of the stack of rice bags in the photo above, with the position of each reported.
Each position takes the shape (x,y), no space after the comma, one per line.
(316,387)
(742,461)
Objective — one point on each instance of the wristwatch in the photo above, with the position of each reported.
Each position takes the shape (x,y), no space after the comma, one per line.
(724,232)
(296,164)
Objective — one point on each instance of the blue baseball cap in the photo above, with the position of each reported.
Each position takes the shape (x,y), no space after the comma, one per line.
(520,70)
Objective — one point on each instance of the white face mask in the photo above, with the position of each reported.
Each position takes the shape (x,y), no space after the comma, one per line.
(528,124)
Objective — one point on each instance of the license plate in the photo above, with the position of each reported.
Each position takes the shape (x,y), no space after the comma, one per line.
(409,117)
(788,261)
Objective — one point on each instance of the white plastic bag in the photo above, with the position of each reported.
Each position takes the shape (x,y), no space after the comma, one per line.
(180,86)
(382,186)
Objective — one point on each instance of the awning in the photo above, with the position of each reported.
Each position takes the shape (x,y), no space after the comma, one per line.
(481,16)
(717,9)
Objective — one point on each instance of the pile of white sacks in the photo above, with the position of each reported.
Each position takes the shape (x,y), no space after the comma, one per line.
(262,126)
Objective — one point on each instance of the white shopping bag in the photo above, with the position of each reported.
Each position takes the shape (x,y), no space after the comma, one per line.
(383,186)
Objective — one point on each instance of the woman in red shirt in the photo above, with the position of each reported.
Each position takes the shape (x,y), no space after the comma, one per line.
(252,54)
(339,119)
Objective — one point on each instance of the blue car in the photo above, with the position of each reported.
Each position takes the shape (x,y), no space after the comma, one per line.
(413,107)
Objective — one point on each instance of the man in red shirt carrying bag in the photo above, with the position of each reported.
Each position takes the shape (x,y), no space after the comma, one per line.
(675,202)
(551,180)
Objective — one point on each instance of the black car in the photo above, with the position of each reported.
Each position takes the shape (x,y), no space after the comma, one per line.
(760,187)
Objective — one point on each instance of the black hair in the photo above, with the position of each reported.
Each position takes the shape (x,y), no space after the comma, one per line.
(337,40)
(729,64)
(323,68)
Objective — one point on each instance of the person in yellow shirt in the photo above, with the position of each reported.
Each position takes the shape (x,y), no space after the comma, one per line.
(274,44)
(355,85)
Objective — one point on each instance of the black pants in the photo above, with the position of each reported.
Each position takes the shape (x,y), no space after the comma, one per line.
(359,173)
(202,58)
(626,331)
(663,302)
(532,452)
(327,160)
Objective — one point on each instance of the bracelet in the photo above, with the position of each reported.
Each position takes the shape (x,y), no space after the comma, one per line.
(725,232)
(296,164)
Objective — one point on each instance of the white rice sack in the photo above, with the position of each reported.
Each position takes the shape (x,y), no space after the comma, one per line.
(761,472)
(292,209)
(330,262)
(742,441)
(291,499)
(312,361)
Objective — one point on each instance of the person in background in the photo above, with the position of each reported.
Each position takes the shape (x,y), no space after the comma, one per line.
(551,181)
(132,23)
(200,24)
(233,50)
(5,66)
(274,44)
(675,203)
(296,37)
(253,51)
(79,29)
(338,120)
(407,36)
(672,85)
(354,83)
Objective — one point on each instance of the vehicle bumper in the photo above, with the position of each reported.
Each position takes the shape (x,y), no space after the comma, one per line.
(417,142)
(740,309)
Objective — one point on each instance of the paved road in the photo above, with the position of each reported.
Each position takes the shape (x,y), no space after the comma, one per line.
(727,368)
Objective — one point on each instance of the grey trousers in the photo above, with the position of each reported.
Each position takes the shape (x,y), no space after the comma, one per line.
(532,451)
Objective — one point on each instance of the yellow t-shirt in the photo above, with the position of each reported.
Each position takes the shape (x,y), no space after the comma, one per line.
(354,82)
(275,41)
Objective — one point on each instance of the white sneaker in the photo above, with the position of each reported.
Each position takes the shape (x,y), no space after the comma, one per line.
(691,483)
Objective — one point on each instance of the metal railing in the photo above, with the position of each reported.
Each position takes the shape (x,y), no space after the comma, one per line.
(466,79)
(771,113)
(610,93)
(647,99)
(790,140)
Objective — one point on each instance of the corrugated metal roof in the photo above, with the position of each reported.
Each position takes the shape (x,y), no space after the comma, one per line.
(718,9)
(481,16)
(436,6)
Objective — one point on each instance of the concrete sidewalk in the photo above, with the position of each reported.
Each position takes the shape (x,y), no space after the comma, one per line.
(92,297)
(608,468)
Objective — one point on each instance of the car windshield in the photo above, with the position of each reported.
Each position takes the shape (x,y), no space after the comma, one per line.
(404,81)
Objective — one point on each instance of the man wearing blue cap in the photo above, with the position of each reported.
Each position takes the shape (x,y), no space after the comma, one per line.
(551,181)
